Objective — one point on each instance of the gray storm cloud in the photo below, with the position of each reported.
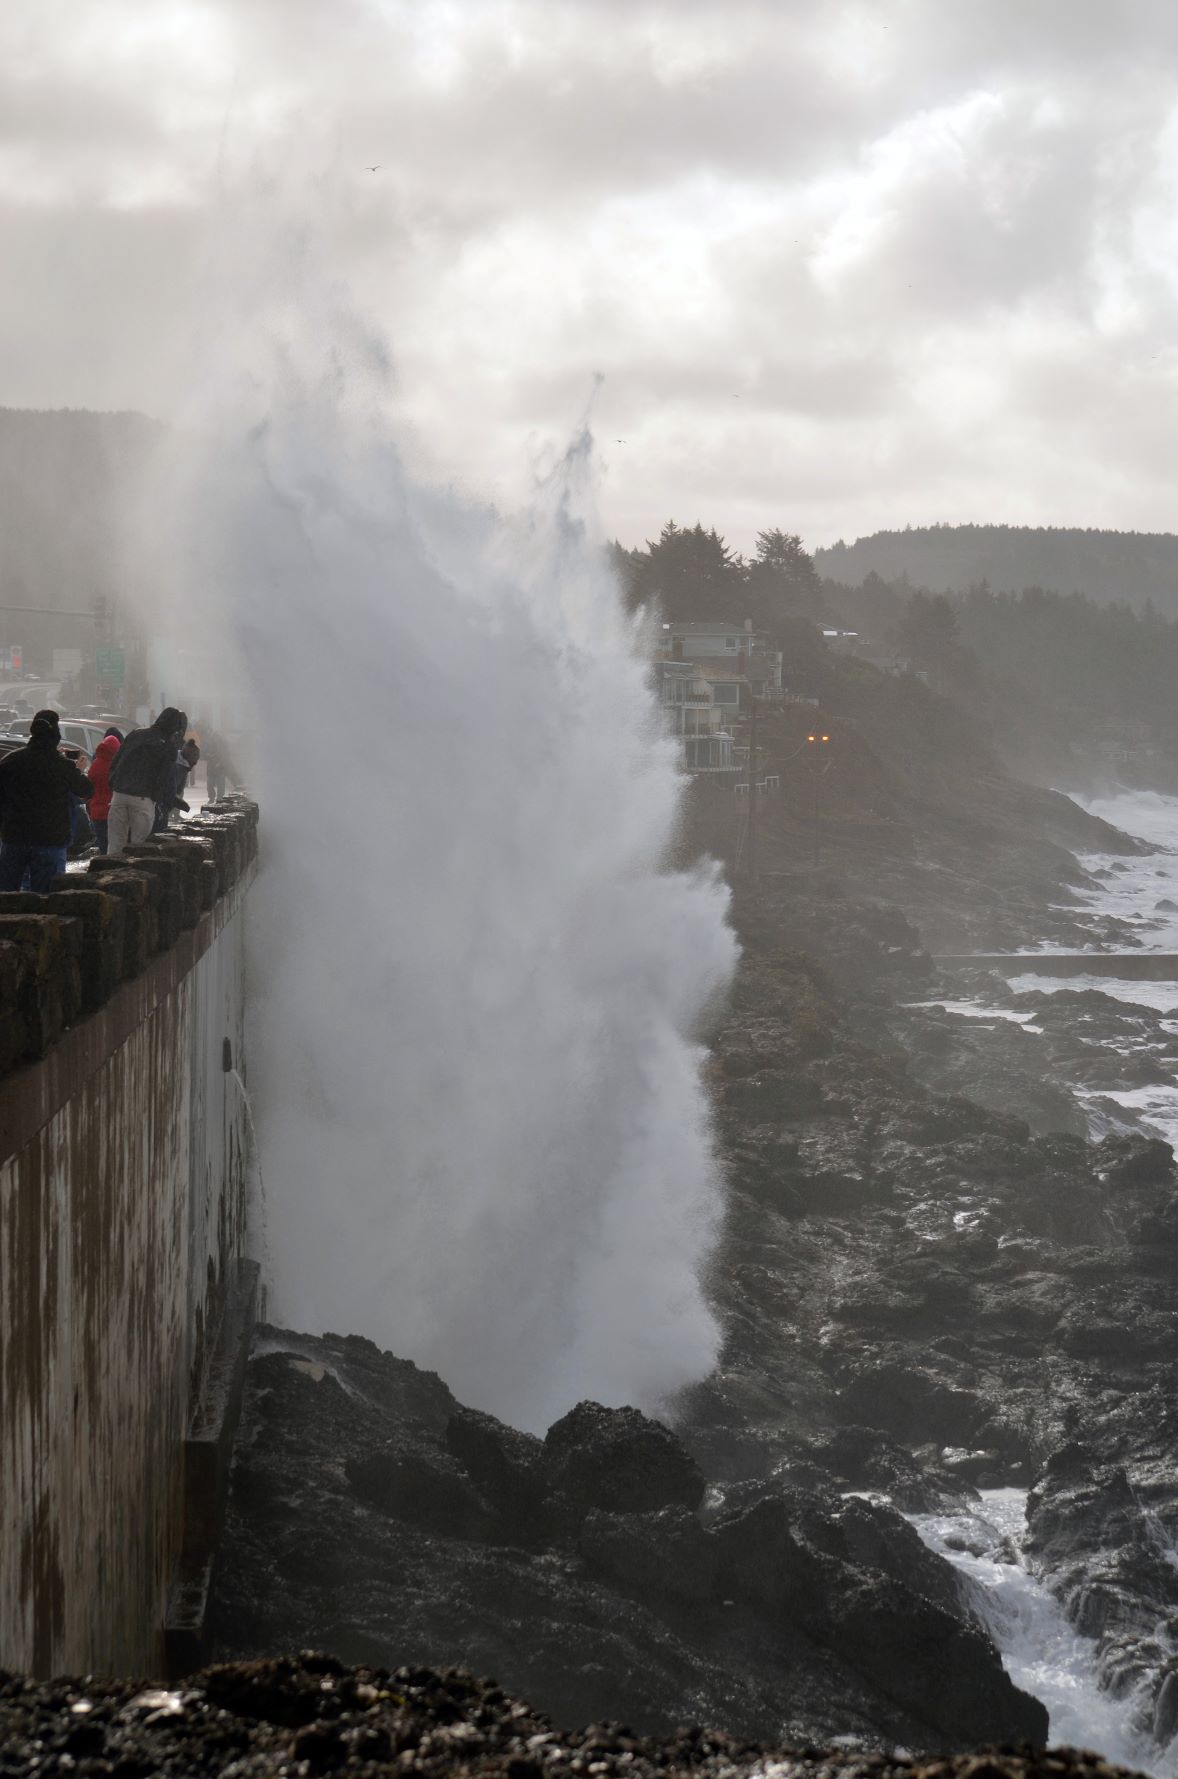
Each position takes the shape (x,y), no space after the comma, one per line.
(840,266)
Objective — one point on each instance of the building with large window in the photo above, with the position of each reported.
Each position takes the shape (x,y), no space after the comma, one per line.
(694,715)
(728,654)
(706,675)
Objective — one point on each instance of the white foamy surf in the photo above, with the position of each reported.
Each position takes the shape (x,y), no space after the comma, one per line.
(1039,1647)
(1040,1650)
(478,984)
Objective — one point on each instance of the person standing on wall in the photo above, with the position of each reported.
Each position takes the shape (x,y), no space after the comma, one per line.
(36,785)
(217,764)
(186,760)
(99,776)
(143,774)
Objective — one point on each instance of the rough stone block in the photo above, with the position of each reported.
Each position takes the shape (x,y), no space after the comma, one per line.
(120,871)
(199,856)
(138,894)
(210,883)
(214,835)
(170,907)
(186,860)
(227,835)
(102,919)
(45,993)
(12,1027)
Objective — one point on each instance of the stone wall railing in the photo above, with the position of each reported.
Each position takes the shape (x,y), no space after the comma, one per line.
(62,955)
(125,1214)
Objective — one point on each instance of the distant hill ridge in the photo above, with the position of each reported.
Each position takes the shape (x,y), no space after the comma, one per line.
(1109,566)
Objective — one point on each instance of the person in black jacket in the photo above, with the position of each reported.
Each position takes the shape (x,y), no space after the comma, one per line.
(142,775)
(186,759)
(36,785)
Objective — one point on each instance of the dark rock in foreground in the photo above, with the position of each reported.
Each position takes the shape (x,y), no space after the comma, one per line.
(373,1516)
(309,1715)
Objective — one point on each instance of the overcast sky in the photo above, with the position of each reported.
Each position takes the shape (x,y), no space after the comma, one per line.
(840,266)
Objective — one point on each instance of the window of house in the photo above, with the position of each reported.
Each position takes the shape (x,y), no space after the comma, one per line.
(726,692)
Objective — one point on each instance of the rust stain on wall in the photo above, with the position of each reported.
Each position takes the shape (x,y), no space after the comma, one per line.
(123,1199)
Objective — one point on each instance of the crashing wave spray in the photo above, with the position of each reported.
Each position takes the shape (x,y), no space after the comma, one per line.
(478,986)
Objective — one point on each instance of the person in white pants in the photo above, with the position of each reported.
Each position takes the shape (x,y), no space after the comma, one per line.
(130,821)
(143,774)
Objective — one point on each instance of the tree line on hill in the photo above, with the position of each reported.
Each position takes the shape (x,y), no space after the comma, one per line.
(1064,687)
(1111,567)
(693,577)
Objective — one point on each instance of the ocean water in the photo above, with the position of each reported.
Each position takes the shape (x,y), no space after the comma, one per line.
(1040,1650)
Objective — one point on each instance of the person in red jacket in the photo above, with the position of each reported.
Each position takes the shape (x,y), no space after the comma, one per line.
(99,776)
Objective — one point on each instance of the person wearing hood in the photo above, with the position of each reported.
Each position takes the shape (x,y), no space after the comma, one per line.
(143,774)
(36,785)
(99,776)
(185,761)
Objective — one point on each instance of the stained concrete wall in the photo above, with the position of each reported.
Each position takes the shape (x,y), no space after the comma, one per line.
(124,1163)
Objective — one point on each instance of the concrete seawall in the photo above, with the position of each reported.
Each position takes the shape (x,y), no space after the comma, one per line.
(124,1160)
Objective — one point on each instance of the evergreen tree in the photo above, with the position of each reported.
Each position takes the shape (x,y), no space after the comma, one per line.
(782,580)
(929,633)
(690,574)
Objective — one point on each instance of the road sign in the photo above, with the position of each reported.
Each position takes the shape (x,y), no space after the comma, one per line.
(112,665)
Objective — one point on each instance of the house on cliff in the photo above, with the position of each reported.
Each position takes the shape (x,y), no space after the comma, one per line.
(706,674)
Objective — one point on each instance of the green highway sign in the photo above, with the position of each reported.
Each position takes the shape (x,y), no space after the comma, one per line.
(112,665)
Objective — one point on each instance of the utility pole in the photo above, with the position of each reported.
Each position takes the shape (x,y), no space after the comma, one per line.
(752,839)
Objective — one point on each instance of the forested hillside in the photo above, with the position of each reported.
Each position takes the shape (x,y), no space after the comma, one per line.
(1130,566)
(1066,690)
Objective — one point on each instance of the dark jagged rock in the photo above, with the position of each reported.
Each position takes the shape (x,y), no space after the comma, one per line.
(666,1555)
(1134,1160)
(427,1489)
(620,1460)
(997,1294)
(504,1465)
(373,1516)
(311,1714)
(923,1295)
(1103,1523)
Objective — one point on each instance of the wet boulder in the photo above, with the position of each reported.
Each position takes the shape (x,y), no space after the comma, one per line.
(618,1459)
(1135,1161)
(665,1556)
(773,1098)
(877,1538)
(864,1458)
(423,1486)
(911,1404)
(896,1637)
(766,1561)
(1158,1229)
(503,1464)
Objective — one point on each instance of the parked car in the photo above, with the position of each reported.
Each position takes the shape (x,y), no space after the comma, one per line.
(82,732)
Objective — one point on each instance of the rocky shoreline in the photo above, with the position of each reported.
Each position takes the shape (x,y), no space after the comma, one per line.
(923,1295)
(931,1284)
(589,1571)
(310,1715)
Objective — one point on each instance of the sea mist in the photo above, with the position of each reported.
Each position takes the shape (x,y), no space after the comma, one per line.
(477,986)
